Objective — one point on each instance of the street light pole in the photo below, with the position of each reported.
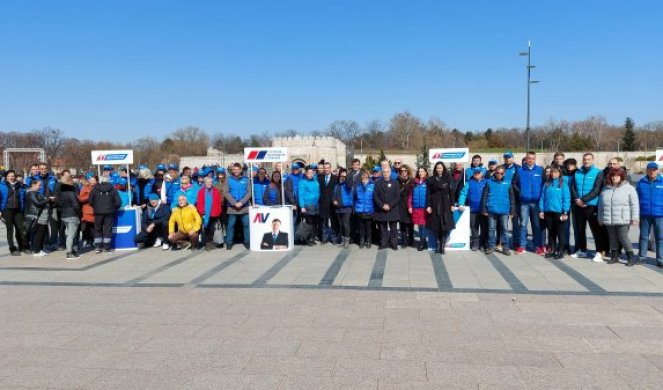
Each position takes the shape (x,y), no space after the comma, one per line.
(528,53)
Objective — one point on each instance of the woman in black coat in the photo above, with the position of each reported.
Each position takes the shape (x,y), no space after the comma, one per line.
(406,183)
(440,198)
(387,211)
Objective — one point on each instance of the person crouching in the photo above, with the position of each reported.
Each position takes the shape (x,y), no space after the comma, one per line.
(154,229)
(188,225)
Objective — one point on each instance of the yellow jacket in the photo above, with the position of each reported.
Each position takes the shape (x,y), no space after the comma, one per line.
(186,218)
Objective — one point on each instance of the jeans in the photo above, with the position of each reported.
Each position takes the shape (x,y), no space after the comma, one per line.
(515,234)
(71,225)
(530,212)
(230,230)
(493,221)
(646,225)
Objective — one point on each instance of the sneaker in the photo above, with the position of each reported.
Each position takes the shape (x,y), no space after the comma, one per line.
(519,251)
(72,256)
(598,258)
(506,252)
(498,247)
(157,243)
(540,251)
(489,251)
(98,250)
(579,255)
(185,246)
(165,246)
(39,254)
(108,250)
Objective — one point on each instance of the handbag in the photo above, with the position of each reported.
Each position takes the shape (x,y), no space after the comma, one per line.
(218,237)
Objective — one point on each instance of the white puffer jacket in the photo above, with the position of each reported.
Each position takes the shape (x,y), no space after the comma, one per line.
(618,205)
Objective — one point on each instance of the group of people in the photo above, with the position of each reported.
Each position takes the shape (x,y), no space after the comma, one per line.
(383,206)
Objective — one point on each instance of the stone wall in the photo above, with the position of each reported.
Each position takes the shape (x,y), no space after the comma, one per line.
(313,149)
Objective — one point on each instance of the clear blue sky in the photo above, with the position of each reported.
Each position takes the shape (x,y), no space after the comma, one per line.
(109,69)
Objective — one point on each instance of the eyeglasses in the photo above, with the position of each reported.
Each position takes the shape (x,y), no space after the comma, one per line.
(403,170)
(499,173)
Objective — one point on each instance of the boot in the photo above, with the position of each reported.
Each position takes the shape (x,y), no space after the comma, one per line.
(346,242)
(361,243)
(440,249)
(631,259)
(614,257)
(422,245)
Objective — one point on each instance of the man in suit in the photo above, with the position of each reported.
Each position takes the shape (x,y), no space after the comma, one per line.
(328,222)
(276,239)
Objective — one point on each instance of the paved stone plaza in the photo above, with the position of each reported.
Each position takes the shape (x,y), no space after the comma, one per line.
(327,318)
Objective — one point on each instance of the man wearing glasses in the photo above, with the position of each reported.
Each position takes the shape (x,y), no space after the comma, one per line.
(498,202)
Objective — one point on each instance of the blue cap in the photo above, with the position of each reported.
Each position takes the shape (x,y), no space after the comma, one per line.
(376,169)
(220,170)
(173,167)
(108,168)
(477,169)
(142,166)
(89,175)
(652,165)
(508,154)
(153,197)
(492,161)
(254,169)
(295,166)
(314,165)
(161,167)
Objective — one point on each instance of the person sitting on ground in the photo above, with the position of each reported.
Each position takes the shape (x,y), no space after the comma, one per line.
(188,222)
(154,224)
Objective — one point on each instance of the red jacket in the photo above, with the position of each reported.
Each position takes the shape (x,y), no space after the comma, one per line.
(216,202)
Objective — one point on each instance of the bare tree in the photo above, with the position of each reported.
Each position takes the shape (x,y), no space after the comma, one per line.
(51,140)
(593,127)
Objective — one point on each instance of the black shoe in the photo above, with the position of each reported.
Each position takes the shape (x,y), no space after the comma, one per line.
(72,256)
(108,250)
(394,247)
(559,255)
(631,259)
(247,246)
(229,246)
(489,252)
(659,265)
(550,255)
(311,243)
(98,250)
(381,247)
(368,245)
(15,253)
(404,246)
(506,252)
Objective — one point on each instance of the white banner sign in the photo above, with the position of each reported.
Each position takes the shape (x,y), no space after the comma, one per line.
(112,157)
(449,155)
(659,156)
(258,155)
(459,238)
(271,228)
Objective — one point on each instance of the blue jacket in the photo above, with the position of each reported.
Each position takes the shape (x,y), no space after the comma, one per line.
(4,193)
(291,184)
(237,186)
(587,185)
(650,194)
(343,194)
(364,198)
(172,189)
(419,195)
(50,182)
(469,172)
(510,172)
(555,198)
(498,197)
(309,193)
(472,191)
(191,195)
(530,181)
(160,216)
(259,188)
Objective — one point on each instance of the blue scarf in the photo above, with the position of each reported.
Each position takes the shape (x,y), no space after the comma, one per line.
(208,205)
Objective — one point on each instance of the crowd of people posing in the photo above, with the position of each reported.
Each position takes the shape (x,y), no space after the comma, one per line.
(383,206)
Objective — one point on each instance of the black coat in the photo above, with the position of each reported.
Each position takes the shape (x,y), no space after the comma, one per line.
(104,199)
(387,192)
(440,197)
(406,186)
(67,201)
(457,184)
(327,195)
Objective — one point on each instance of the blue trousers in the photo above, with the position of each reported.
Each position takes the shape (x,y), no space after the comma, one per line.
(646,224)
(230,230)
(529,212)
(493,221)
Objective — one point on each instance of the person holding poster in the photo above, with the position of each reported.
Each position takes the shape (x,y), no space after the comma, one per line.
(275,239)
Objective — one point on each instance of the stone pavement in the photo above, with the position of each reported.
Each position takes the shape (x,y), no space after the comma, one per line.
(327,318)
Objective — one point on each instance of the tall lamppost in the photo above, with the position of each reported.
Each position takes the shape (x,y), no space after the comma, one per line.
(528,53)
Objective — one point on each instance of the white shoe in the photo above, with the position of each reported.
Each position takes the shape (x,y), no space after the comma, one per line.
(157,243)
(580,255)
(40,254)
(598,258)
(165,246)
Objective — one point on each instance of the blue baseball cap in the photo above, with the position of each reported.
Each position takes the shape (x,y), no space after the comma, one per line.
(295,166)
(477,169)
(508,154)
(142,166)
(173,167)
(314,165)
(161,167)
(89,175)
(493,161)
(108,168)
(652,165)
(154,197)
(376,169)
(220,170)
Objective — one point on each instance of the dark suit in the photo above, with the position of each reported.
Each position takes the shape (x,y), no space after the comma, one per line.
(327,215)
(268,241)
(387,192)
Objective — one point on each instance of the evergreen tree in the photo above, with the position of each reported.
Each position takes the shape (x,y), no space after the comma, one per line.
(422,159)
(628,140)
(382,157)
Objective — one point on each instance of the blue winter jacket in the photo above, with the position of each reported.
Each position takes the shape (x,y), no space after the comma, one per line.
(309,193)
(585,182)
(650,194)
(530,181)
(237,186)
(291,184)
(191,195)
(419,194)
(510,172)
(555,198)
(472,191)
(259,188)
(498,197)
(4,193)
(50,182)
(343,194)
(364,198)
(172,189)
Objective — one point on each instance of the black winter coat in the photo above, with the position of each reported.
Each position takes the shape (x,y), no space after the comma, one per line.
(327,196)
(67,201)
(440,197)
(387,192)
(406,186)
(104,199)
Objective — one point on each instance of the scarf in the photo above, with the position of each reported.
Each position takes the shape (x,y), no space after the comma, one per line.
(208,205)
